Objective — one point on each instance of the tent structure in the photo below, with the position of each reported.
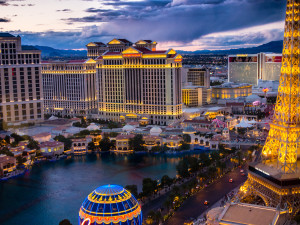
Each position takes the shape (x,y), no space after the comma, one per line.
(243,124)
(252,121)
(218,123)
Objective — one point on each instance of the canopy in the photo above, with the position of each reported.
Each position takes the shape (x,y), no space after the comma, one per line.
(243,124)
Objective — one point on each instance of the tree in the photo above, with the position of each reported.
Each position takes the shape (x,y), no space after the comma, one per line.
(91,146)
(32,144)
(149,186)
(17,137)
(193,164)
(187,138)
(5,151)
(184,146)
(67,142)
(137,143)
(7,139)
(65,222)
(20,160)
(105,144)
(83,133)
(204,160)
(183,168)
(133,189)
(166,181)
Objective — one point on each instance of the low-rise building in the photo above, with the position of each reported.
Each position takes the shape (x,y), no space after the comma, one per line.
(193,96)
(241,213)
(151,141)
(42,137)
(231,90)
(173,142)
(7,165)
(79,146)
(52,148)
(122,142)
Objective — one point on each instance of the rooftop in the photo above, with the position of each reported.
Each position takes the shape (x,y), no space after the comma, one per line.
(51,144)
(6,35)
(249,214)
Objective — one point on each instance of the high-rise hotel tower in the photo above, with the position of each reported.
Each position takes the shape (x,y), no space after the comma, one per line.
(21,90)
(70,87)
(138,82)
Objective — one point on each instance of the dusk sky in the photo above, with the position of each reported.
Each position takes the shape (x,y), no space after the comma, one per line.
(178,24)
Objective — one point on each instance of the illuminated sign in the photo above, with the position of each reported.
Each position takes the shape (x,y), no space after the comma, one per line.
(262,171)
(132,55)
(87,221)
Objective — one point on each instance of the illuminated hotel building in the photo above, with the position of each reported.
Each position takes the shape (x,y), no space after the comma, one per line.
(69,87)
(194,96)
(94,49)
(21,91)
(139,82)
(198,77)
(231,90)
(118,45)
(251,68)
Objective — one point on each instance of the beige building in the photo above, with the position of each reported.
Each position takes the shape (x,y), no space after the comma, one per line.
(79,146)
(52,148)
(139,83)
(7,165)
(70,87)
(231,90)
(122,142)
(193,96)
(198,77)
(94,49)
(241,213)
(21,89)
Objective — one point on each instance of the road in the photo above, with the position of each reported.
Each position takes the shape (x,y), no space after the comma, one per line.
(194,207)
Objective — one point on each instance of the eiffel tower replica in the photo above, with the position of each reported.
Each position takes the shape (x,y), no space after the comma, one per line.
(276,177)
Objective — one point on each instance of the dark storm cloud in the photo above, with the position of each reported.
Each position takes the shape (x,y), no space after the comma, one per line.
(4,20)
(63,10)
(183,20)
(3,3)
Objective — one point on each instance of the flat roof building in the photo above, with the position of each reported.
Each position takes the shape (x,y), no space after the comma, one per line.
(70,87)
(21,88)
(139,83)
(249,68)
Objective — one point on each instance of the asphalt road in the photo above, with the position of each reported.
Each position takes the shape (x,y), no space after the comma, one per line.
(194,207)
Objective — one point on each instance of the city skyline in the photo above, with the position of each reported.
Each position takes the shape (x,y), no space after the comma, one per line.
(180,24)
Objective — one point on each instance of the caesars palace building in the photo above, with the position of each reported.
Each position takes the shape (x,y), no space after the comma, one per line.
(120,81)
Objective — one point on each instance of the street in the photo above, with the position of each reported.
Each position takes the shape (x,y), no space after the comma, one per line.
(194,207)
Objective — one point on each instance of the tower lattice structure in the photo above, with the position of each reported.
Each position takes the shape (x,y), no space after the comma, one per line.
(276,179)
(284,135)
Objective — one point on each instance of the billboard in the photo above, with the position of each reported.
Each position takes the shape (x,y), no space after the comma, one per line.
(243,58)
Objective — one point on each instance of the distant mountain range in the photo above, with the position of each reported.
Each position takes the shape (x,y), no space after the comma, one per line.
(48,52)
(273,46)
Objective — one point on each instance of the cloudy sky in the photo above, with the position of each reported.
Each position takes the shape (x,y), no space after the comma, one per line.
(180,24)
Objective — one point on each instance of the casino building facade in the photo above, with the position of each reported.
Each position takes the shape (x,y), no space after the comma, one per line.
(110,204)
(69,87)
(139,82)
(21,89)
(126,82)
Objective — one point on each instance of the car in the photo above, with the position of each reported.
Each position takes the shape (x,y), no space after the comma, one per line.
(230,180)
(241,171)
(206,202)
(243,174)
